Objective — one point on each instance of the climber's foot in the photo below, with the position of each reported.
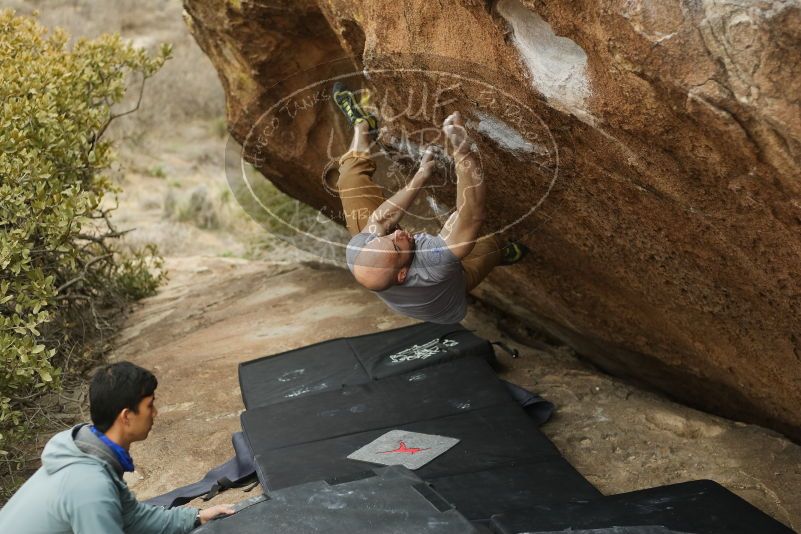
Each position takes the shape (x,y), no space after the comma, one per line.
(352,109)
(513,252)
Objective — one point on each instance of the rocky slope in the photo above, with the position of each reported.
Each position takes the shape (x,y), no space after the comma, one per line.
(647,151)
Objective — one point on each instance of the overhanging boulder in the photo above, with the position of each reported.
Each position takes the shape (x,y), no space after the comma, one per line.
(648,153)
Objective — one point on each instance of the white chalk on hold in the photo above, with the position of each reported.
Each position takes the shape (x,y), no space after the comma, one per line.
(504,135)
(556,64)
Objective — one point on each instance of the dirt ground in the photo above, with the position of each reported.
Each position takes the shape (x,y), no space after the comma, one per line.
(234,294)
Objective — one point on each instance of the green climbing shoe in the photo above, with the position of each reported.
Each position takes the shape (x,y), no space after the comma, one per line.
(353,111)
(513,252)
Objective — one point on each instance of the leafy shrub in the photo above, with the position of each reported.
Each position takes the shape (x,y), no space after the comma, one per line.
(61,274)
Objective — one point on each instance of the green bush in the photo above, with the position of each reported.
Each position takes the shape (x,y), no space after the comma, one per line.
(61,273)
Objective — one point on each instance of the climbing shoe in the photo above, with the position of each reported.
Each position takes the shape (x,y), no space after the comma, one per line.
(513,252)
(352,109)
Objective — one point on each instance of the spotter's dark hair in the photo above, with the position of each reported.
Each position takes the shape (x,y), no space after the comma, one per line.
(117,386)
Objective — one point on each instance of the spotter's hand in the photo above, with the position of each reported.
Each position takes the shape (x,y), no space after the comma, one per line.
(215,511)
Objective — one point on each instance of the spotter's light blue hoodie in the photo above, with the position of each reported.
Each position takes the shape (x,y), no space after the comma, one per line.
(79,490)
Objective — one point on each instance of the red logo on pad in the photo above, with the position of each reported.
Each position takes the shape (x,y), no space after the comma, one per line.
(403,449)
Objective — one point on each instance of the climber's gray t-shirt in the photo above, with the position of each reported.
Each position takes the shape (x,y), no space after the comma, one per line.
(435,289)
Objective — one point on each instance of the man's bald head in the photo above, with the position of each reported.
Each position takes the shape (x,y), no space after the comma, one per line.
(383,263)
(375,268)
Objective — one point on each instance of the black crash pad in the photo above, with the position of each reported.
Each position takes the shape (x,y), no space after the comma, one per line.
(491,437)
(698,507)
(613,530)
(481,494)
(502,462)
(390,500)
(453,387)
(355,360)
(297,373)
(414,347)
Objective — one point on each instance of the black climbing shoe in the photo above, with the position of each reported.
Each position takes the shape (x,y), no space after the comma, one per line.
(353,111)
(513,252)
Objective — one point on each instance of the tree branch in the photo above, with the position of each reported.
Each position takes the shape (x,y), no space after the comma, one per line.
(117,116)
(80,277)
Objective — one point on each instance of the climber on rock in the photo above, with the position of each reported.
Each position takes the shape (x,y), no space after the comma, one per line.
(423,276)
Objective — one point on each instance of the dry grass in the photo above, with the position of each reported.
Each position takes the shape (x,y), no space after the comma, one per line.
(186,89)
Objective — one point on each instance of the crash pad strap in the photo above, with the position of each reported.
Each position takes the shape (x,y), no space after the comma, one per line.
(535,406)
(237,472)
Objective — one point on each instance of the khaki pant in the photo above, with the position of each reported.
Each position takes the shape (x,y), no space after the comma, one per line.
(361,196)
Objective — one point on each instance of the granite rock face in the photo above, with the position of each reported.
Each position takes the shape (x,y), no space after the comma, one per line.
(648,152)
